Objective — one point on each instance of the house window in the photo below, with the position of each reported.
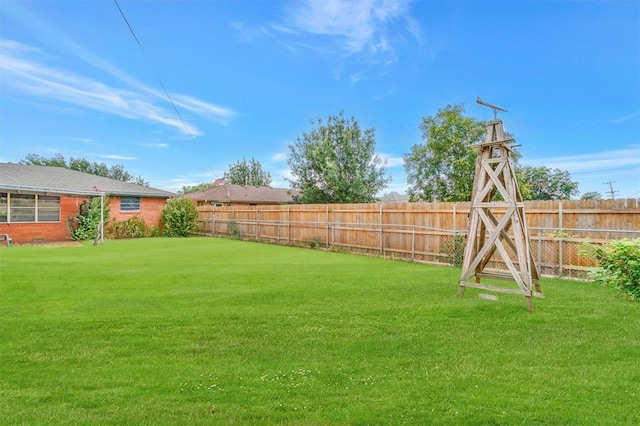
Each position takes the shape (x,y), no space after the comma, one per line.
(25,208)
(129,204)
(48,208)
(22,208)
(4,204)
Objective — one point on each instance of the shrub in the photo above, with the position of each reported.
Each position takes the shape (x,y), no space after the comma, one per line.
(84,225)
(179,217)
(619,265)
(233,230)
(134,227)
(155,231)
(315,242)
(453,249)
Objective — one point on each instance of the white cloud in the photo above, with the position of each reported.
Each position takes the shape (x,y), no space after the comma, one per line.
(192,179)
(117,157)
(24,71)
(279,157)
(280,178)
(626,117)
(626,157)
(354,78)
(83,140)
(203,108)
(155,145)
(247,33)
(355,27)
(390,161)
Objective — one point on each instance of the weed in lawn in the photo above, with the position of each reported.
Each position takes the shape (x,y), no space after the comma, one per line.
(205,383)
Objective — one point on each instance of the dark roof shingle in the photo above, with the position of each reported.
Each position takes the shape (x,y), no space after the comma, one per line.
(65,181)
(230,193)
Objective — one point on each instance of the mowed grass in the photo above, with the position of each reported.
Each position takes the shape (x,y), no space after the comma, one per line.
(214,331)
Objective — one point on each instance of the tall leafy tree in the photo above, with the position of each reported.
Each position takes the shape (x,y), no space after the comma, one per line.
(544,183)
(592,195)
(57,160)
(335,162)
(248,173)
(117,172)
(441,168)
(188,189)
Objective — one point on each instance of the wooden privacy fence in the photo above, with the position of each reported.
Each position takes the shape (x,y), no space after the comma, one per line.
(428,232)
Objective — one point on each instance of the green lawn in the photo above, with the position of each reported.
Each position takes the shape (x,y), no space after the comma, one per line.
(214,331)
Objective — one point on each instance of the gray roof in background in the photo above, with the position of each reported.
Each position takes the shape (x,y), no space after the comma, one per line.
(394,197)
(229,193)
(58,180)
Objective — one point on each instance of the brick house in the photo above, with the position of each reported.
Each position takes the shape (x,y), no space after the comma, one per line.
(226,194)
(35,201)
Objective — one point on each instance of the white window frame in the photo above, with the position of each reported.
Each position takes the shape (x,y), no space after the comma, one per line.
(130,205)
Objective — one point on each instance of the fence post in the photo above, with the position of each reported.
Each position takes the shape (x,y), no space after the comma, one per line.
(540,249)
(288,224)
(327,224)
(257,223)
(381,231)
(413,243)
(454,218)
(560,241)
(213,222)
(333,236)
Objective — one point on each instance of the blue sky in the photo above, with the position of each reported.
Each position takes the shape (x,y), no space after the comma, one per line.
(246,78)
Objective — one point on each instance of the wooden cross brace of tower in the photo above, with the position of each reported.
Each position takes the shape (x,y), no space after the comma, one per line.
(498,229)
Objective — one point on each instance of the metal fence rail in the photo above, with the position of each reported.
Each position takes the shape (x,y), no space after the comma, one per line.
(558,251)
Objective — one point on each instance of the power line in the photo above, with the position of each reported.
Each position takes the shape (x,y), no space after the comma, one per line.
(175,109)
(128,25)
(184,124)
(133,33)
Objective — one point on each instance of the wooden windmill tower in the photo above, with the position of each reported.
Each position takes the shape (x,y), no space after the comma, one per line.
(497,227)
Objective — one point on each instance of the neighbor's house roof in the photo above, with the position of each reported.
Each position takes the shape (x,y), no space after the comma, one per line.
(228,193)
(394,197)
(58,180)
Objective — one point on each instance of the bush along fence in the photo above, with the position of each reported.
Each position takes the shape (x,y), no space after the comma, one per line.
(429,232)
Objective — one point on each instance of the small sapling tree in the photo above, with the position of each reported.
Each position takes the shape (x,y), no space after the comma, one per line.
(84,225)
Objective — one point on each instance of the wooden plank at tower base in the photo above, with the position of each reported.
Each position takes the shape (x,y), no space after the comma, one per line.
(489,236)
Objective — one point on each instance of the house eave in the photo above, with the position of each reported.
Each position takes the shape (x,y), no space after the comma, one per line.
(56,191)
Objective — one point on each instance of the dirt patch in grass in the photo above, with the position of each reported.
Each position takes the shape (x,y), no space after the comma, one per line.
(54,244)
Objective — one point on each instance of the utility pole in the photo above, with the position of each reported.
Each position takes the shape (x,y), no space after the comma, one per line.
(611,191)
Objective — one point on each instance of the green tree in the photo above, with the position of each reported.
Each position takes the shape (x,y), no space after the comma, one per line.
(57,160)
(188,189)
(84,225)
(249,173)
(117,171)
(86,166)
(592,195)
(336,163)
(442,167)
(544,183)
